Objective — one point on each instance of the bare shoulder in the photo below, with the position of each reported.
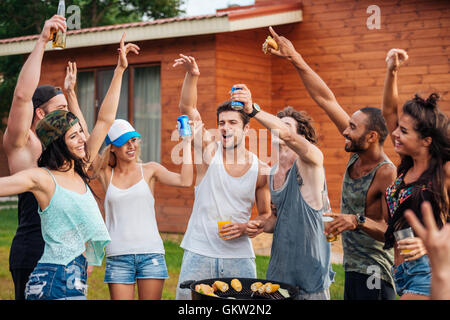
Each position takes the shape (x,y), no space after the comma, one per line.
(447,169)
(386,175)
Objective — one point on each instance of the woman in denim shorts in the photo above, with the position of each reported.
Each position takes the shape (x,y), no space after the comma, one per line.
(420,136)
(136,251)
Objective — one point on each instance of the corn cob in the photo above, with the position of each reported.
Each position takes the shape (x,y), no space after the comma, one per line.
(220,285)
(254,287)
(236,285)
(271,288)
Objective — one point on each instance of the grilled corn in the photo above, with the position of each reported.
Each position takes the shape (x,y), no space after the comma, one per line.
(255,286)
(236,285)
(220,285)
(271,288)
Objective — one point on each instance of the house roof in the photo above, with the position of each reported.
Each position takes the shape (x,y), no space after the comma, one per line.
(224,20)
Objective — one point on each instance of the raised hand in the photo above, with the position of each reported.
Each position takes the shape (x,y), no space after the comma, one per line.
(244,95)
(188,63)
(395,58)
(54,24)
(285,47)
(123,51)
(71,76)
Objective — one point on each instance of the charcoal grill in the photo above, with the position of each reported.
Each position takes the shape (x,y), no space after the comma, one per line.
(245,294)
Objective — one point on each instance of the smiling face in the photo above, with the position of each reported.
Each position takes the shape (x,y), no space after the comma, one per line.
(232,129)
(407,140)
(127,152)
(76,141)
(355,133)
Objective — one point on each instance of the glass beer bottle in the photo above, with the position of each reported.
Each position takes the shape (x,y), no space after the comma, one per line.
(59,37)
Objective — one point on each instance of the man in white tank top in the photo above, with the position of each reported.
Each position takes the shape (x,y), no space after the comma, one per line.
(230,180)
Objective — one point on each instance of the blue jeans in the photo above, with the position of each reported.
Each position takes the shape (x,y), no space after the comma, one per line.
(197,267)
(413,276)
(57,282)
(127,268)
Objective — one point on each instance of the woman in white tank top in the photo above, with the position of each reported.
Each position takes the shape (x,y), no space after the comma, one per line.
(136,251)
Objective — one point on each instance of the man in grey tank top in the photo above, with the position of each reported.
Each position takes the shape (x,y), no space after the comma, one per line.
(363,216)
(300,252)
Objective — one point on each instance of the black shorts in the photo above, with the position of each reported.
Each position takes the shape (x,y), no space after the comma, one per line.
(356,288)
(20,278)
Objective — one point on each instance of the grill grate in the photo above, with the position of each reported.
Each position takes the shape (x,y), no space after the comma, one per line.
(246,293)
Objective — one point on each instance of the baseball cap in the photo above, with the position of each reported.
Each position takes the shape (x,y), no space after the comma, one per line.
(120,132)
(44,93)
(54,125)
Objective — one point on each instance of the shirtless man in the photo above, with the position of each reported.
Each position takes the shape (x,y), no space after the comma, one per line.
(229,181)
(369,172)
(23,148)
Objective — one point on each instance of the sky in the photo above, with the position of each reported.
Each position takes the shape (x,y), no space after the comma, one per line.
(201,7)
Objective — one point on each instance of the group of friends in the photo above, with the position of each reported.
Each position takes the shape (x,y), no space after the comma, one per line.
(62,233)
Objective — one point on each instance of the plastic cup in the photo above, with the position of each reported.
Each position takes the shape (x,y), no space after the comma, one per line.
(404,234)
(220,224)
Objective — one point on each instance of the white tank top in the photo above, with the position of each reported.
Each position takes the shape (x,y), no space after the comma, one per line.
(218,197)
(130,219)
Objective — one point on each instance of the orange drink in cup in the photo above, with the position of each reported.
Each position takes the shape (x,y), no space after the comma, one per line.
(220,224)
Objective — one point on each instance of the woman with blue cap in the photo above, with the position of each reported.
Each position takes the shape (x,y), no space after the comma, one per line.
(136,251)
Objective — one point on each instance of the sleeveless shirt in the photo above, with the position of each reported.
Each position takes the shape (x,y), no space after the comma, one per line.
(361,251)
(300,252)
(130,219)
(220,197)
(69,221)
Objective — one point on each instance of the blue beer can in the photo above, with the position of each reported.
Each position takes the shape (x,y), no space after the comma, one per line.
(184,129)
(236,105)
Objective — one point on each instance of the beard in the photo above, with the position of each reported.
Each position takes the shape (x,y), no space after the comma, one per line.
(355,145)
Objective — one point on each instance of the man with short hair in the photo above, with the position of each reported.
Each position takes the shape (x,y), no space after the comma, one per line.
(300,252)
(369,172)
(23,148)
(230,179)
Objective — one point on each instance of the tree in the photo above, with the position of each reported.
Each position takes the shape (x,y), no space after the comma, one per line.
(25,17)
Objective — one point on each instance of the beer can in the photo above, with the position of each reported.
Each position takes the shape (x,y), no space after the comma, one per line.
(184,129)
(236,105)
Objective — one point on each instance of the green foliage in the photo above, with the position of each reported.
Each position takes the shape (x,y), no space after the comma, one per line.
(25,17)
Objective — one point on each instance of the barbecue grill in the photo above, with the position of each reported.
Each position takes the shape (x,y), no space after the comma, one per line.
(245,294)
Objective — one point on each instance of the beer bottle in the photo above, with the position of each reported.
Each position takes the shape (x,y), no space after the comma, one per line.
(59,37)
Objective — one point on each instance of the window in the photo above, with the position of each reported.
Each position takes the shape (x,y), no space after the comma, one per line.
(140,102)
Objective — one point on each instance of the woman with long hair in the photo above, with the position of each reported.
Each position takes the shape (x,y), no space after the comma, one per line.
(72,227)
(136,251)
(421,137)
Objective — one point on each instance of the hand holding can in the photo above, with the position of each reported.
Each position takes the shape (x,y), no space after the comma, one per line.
(236,105)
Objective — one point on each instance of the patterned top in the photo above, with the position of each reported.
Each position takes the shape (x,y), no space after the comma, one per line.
(70,221)
(400,197)
(361,251)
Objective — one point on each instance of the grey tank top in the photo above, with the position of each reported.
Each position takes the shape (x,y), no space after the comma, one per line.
(300,252)
(362,253)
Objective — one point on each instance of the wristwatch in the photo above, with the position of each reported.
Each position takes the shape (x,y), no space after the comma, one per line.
(360,220)
(256,109)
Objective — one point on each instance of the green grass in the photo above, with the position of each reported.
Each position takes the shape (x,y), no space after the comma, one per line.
(99,290)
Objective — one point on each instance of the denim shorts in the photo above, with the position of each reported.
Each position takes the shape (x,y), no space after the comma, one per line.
(57,282)
(197,267)
(127,268)
(413,276)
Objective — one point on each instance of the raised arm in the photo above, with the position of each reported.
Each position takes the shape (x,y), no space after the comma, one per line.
(183,179)
(108,109)
(21,112)
(316,87)
(69,86)
(394,59)
(188,98)
(307,151)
